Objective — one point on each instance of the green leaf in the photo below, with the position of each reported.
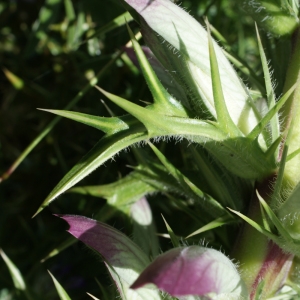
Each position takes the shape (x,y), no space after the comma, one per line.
(274,16)
(106,148)
(107,125)
(188,186)
(174,238)
(274,122)
(60,290)
(217,181)
(120,194)
(166,125)
(213,224)
(241,156)
(238,62)
(264,218)
(280,175)
(255,225)
(272,149)
(224,120)
(181,45)
(270,114)
(70,12)
(274,219)
(163,101)
(292,155)
(164,76)
(15,273)
(171,59)
(259,290)
(18,280)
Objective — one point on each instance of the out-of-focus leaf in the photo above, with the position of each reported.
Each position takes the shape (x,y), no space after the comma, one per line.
(16,276)
(15,273)
(52,124)
(289,212)
(70,12)
(65,244)
(115,23)
(60,290)
(16,81)
(144,229)
(48,14)
(292,155)
(276,17)
(93,297)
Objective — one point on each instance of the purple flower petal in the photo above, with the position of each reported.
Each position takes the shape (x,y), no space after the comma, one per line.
(123,258)
(193,270)
(115,247)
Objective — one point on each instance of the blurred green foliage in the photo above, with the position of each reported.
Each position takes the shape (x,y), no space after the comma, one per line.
(49,50)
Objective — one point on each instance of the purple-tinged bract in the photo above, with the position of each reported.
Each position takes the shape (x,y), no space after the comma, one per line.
(192,270)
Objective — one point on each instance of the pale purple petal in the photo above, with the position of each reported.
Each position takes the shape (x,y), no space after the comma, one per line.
(123,258)
(192,270)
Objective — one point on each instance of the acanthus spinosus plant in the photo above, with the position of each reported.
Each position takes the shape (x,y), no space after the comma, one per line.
(245,149)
